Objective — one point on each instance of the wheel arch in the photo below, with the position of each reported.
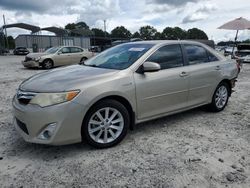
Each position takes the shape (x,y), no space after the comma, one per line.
(84,57)
(123,101)
(228,82)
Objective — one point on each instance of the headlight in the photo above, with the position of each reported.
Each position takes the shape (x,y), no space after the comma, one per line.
(37,59)
(48,99)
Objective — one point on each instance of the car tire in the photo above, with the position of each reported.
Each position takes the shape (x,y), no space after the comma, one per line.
(106,124)
(82,60)
(47,64)
(220,97)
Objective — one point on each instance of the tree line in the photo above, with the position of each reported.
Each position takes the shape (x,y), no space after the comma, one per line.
(145,32)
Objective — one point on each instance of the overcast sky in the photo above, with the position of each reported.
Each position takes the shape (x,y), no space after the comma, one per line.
(204,14)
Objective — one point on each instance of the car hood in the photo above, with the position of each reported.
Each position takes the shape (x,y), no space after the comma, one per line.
(64,79)
(34,55)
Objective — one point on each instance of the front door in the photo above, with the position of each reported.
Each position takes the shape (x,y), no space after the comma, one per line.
(165,90)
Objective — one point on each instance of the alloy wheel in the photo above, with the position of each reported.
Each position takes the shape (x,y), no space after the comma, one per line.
(48,64)
(105,125)
(221,96)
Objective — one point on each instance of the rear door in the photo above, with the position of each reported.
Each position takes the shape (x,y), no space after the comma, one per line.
(204,74)
(76,55)
(165,90)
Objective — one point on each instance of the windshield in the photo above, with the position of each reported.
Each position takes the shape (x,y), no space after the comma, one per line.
(243,47)
(52,50)
(119,57)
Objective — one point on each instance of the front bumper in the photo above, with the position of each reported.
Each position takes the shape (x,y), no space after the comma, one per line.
(31,64)
(68,117)
(245,59)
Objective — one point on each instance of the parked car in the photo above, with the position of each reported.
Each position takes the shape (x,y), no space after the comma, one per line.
(21,51)
(229,50)
(57,56)
(4,51)
(124,85)
(243,52)
(95,49)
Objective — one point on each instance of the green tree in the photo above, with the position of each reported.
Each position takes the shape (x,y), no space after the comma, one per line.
(98,32)
(82,25)
(196,33)
(79,25)
(136,35)
(158,36)
(120,32)
(11,42)
(175,33)
(147,32)
(71,26)
(246,41)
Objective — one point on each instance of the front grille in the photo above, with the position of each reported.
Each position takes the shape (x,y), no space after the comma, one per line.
(22,126)
(27,59)
(24,97)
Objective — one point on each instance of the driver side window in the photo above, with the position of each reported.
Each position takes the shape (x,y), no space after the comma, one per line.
(169,56)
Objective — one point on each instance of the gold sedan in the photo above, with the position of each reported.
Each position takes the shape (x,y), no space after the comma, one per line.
(57,56)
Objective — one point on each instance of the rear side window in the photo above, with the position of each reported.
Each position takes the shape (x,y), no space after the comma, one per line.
(169,56)
(212,57)
(76,50)
(196,54)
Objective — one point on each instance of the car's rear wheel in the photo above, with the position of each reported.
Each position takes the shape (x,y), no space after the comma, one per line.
(106,124)
(47,64)
(220,97)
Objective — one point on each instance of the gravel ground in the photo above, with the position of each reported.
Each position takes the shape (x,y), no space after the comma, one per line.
(190,149)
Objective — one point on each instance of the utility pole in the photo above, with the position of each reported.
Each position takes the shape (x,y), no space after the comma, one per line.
(104,28)
(7,42)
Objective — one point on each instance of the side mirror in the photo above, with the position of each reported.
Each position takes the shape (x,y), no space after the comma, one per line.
(150,67)
(59,53)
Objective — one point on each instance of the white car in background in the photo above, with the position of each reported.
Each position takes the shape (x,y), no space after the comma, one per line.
(243,52)
(57,56)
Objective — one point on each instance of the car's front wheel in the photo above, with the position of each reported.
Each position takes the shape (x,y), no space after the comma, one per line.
(220,97)
(47,64)
(106,124)
(83,59)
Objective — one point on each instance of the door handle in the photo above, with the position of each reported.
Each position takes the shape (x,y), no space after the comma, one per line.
(183,74)
(217,67)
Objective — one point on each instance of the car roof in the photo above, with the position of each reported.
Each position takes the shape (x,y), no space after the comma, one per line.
(68,46)
(159,42)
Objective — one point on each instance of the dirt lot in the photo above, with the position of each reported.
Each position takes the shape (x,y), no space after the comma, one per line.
(191,149)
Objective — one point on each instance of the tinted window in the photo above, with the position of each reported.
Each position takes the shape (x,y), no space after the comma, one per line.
(169,56)
(212,57)
(65,50)
(196,54)
(76,50)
